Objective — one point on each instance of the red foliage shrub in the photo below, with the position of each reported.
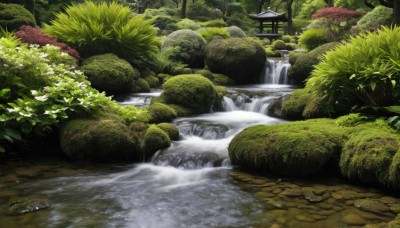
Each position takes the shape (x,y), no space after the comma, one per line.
(32,35)
(334,13)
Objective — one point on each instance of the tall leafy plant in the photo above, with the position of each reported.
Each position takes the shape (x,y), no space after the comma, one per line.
(98,28)
(365,71)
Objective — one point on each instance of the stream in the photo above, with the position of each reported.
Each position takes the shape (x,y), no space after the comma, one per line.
(191,183)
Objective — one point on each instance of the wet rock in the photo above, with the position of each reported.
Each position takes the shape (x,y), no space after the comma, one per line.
(27,205)
(388,200)
(281,220)
(318,217)
(395,208)
(275,226)
(303,218)
(354,220)
(346,195)
(326,212)
(273,204)
(264,195)
(378,225)
(277,191)
(293,192)
(394,224)
(371,206)
(325,206)
(311,197)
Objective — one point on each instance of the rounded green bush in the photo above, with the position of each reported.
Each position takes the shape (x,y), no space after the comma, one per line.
(372,157)
(313,38)
(141,85)
(305,63)
(239,58)
(170,129)
(210,32)
(109,73)
(98,28)
(191,44)
(287,38)
(101,140)
(374,19)
(235,32)
(363,72)
(219,23)
(272,53)
(187,24)
(279,45)
(163,22)
(154,140)
(202,12)
(192,91)
(13,16)
(153,81)
(160,112)
(296,149)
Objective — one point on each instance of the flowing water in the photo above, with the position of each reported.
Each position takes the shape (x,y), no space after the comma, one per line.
(190,184)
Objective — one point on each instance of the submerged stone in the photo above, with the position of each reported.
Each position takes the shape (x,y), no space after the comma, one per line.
(371,206)
(27,205)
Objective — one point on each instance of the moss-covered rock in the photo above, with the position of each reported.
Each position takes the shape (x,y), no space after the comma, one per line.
(235,32)
(153,81)
(160,112)
(109,73)
(191,91)
(279,45)
(270,52)
(141,85)
(206,73)
(191,44)
(242,59)
(155,139)
(27,205)
(13,16)
(170,129)
(163,78)
(372,157)
(223,80)
(304,64)
(295,149)
(102,140)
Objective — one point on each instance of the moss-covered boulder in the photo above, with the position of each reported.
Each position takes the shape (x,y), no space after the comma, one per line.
(27,205)
(223,80)
(206,73)
(155,139)
(13,16)
(372,157)
(235,32)
(153,81)
(191,91)
(170,129)
(242,59)
(191,46)
(101,140)
(296,149)
(109,73)
(141,85)
(160,112)
(304,63)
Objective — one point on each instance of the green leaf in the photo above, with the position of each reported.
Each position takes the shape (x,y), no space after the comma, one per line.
(394,109)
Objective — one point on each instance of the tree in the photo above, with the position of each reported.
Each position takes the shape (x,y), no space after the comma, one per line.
(183,10)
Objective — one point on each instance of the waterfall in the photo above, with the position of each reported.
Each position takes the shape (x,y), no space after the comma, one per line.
(276,71)
(245,103)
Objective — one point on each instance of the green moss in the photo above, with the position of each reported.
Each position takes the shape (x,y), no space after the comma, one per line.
(141,85)
(180,110)
(210,32)
(292,108)
(27,205)
(192,91)
(187,71)
(295,149)
(374,19)
(272,53)
(305,63)
(235,32)
(206,73)
(101,140)
(154,140)
(163,78)
(170,129)
(191,45)
(242,59)
(293,57)
(13,16)
(160,112)
(369,156)
(221,79)
(279,45)
(153,81)
(287,38)
(109,73)
(219,23)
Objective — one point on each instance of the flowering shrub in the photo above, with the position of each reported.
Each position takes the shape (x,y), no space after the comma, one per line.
(338,14)
(39,87)
(32,35)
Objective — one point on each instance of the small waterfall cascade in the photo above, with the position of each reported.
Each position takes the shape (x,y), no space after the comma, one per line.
(276,71)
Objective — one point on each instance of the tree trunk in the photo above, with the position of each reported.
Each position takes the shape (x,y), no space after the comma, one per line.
(329,3)
(289,4)
(183,11)
(260,5)
(396,12)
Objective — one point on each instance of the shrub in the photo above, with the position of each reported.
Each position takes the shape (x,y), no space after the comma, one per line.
(97,29)
(279,45)
(163,22)
(191,46)
(209,33)
(364,72)
(310,7)
(192,91)
(32,35)
(338,14)
(163,11)
(109,73)
(202,12)
(141,85)
(287,38)
(374,19)
(187,24)
(235,32)
(152,80)
(313,38)
(13,16)
(219,23)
